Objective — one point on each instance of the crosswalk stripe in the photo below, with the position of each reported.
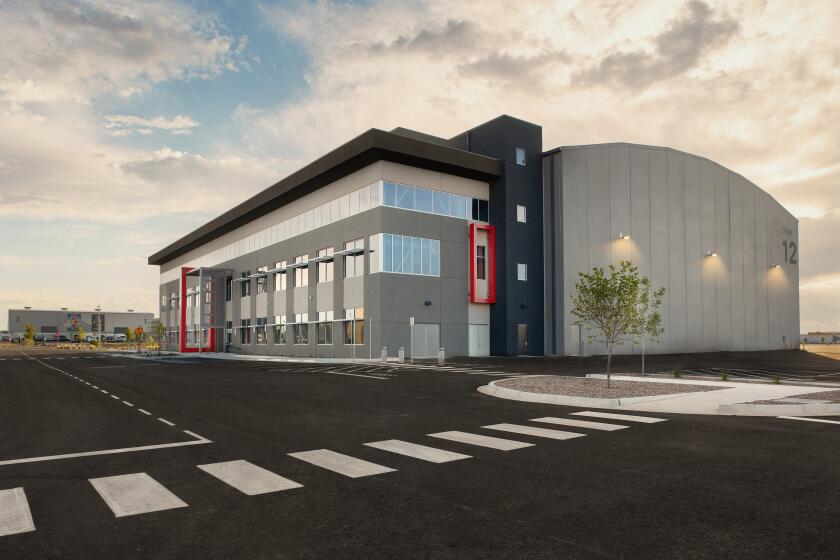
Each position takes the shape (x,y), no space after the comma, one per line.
(133,494)
(248,478)
(15,516)
(532,431)
(629,417)
(483,441)
(340,463)
(809,419)
(580,423)
(422,452)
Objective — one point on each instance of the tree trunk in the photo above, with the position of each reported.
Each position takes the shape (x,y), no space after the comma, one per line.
(609,362)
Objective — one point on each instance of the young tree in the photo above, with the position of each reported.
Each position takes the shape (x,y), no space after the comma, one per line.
(138,336)
(620,306)
(160,331)
(28,335)
(80,333)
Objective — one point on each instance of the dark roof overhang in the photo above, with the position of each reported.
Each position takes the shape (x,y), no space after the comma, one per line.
(367,148)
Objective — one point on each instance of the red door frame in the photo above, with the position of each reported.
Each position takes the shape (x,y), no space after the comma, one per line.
(183,330)
(491,263)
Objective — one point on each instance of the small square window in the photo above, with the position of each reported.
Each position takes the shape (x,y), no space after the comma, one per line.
(521,213)
(520,156)
(522,272)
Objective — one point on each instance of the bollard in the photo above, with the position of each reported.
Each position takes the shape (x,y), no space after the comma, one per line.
(441,356)
(401,355)
(383,354)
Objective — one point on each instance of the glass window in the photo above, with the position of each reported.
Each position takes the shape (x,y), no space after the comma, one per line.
(375,194)
(522,272)
(387,244)
(441,203)
(423,200)
(364,198)
(521,213)
(229,288)
(245,285)
(458,206)
(245,331)
(415,255)
(520,156)
(426,256)
(396,259)
(325,327)
(373,250)
(354,326)
(435,257)
(405,197)
(481,262)
(301,272)
(389,193)
(279,329)
(354,265)
(228,332)
(260,330)
(325,268)
(334,211)
(262,281)
(279,277)
(406,254)
(354,203)
(483,210)
(301,328)
(344,207)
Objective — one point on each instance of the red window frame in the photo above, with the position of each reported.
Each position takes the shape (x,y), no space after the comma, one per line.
(491,263)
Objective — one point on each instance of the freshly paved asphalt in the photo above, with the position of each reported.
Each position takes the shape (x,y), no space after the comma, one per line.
(691,487)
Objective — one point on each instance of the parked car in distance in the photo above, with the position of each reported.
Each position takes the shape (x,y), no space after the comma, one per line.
(5,336)
(61,338)
(120,338)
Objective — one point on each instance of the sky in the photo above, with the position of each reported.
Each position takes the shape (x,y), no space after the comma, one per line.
(110,109)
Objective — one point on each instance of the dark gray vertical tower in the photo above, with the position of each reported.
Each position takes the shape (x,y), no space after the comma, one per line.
(516,320)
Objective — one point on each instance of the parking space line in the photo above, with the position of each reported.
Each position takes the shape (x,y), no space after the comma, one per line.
(167,422)
(146,412)
(248,478)
(126,403)
(580,423)
(356,375)
(483,441)
(340,463)
(806,419)
(115,397)
(628,417)
(422,452)
(133,494)
(532,431)
(15,516)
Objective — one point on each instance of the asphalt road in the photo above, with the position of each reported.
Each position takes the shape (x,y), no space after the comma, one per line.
(687,487)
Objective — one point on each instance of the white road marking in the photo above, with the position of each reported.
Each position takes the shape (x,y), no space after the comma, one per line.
(94,386)
(340,463)
(198,441)
(106,367)
(532,431)
(356,375)
(15,516)
(248,478)
(165,421)
(483,441)
(809,419)
(431,454)
(146,412)
(133,494)
(115,397)
(580,423)
(629,417)
(126,403)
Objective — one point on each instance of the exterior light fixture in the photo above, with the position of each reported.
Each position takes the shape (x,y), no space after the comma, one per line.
(623,236)
(427,302)
(776,266)
(131,311)
(711,254)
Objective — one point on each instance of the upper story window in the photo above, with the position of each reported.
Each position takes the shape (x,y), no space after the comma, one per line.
(481,262)
(245,284)
(325,267)
(521,213)
(522,272)
(520,156)
(229,288)
(302,272)
(410,255)
(262,280)
(441,203)
(354,264)
(280,277)
(173,301)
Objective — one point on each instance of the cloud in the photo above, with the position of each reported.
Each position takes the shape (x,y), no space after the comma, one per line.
(124,125)
(454,35)
(676,50)
(524,71)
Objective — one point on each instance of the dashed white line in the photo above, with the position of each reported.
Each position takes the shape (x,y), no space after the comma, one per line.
(167,422)
(132,494)
(422,452)
(115,397)
(340,463)
(483,441)
(104,391)
(248,478)
(628,417)
(531,431)
(809,419)
(145,411)
(126,403)
(580,423)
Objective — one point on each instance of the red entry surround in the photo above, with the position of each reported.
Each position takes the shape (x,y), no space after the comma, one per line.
(182,331)
(491,263)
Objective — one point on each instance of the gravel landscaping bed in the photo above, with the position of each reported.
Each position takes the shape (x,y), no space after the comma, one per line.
(597,388)
(833,396)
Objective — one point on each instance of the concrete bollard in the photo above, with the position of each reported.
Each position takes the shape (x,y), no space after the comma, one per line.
(441,357)
(401,355)
(383,354)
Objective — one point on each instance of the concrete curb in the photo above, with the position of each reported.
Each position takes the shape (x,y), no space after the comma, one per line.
(747,409)
(586,402)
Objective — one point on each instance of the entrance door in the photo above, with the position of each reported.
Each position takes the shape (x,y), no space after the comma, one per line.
(479,336)
(426,340)
(521,339)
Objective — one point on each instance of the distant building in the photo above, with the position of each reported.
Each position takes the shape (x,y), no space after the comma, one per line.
(818,337)
(68,321)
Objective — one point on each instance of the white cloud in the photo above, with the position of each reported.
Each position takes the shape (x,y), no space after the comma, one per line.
(124,125)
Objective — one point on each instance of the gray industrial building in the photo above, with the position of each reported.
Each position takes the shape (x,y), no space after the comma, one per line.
(68,321)
(474,243)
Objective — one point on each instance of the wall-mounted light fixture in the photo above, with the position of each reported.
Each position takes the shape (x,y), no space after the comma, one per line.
(711,253)
(427,302)
(623,236)
(776,266)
